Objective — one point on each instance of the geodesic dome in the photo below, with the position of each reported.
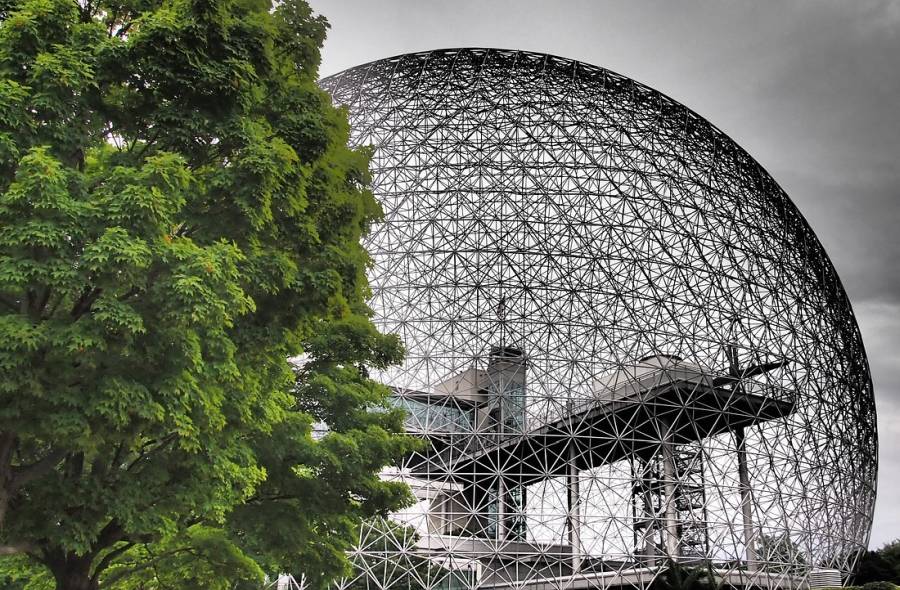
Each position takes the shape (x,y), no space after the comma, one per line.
(626,347)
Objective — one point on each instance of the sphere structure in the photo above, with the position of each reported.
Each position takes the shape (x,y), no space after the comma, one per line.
(626,346)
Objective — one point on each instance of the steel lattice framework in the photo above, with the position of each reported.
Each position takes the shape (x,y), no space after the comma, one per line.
(625,344)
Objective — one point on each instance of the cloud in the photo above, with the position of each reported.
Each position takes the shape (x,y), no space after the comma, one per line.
(830,109)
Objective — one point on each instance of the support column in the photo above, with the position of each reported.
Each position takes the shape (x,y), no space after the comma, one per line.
(668,452)
(501,509)
(746,497)
(573,487)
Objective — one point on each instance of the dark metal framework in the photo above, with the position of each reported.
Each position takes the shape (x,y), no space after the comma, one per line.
(625,344)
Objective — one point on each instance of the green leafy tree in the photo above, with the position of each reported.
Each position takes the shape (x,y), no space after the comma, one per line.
(780,554)
(195,558)
(675,576)
(882,565)
(19,573)
(179,216)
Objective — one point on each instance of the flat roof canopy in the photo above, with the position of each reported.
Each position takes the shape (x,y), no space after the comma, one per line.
(634,411)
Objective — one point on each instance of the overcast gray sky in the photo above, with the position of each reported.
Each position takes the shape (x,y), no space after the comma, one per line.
(811,89)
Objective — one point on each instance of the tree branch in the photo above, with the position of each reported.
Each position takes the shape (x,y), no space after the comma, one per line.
(109,535)
(273,498)
(28,473)
(107,559)
(122,32)
(42,302)
(148,143)
(54,307)
(17,548)
(161,444)
(74,465)
(9,304)
(150,563)
(83,305)
(7,444)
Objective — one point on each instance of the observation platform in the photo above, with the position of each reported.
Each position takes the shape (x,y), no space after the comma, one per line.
(633,411)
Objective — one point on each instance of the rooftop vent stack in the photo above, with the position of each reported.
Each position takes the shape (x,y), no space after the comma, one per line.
(506,384)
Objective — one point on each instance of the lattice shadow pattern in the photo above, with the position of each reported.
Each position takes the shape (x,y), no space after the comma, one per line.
(625,344)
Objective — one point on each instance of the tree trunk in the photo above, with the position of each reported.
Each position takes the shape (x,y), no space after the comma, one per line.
(4,503)
(75,581)
(7,443)
(73,573)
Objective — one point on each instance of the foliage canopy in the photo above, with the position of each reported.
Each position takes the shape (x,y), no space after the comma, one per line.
(882,565)
(179,216)
(675,576)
